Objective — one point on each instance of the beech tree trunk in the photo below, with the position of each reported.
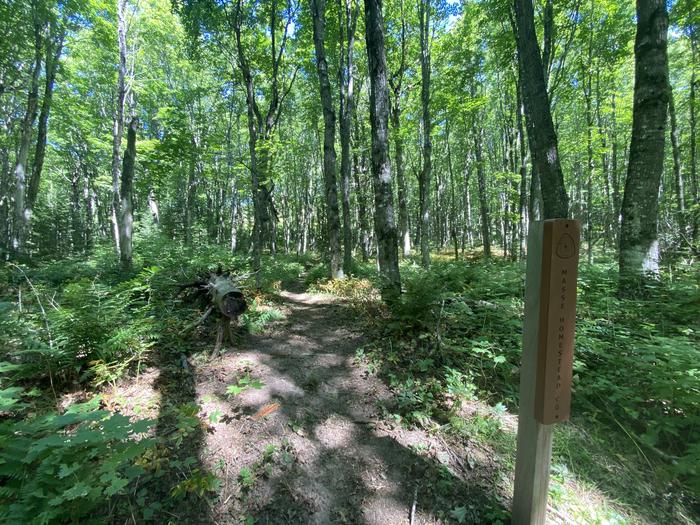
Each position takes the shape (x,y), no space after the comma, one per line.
(261,126)
(677,171)
(21,164)
(118,129)
(347,25)
(540,129)
(384,222)
(639,245)
(358,171)
(425,174)
(318,8)
(54,46)
(126,214)
(614,171)
(694,183)
(483,198)
(522,202)
(396,85)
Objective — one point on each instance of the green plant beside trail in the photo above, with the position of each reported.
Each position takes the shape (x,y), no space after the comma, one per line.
(76,326)
(456,337)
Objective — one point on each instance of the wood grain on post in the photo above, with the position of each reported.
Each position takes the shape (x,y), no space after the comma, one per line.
(545,371)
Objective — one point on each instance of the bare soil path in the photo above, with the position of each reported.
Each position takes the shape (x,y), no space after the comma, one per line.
(309,444)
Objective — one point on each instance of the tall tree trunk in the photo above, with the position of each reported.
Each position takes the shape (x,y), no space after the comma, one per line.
(589,177)
(126,191)
(384,222)
(358,170)
(190,192)
(396,86)
(588,95)
(76,236)
(694,183)
(522,202)
(232,177)
(21,164)
(604,162)
(153,206)
(540,129)
(318,8)
(347,26)
(90,205)
(483,198)
(453,198)
(677,172)
(425,174)
(54,46)
(614,170)
(261,126)
(118,128)
(639,245)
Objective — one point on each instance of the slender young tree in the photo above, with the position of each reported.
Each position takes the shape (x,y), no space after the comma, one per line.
(126,191)
(318,13)
(54,47)
(639,244)
(26,131)
(384,222)
(678,181)
(427,126)
(347,15)
(396,85)
(118,123)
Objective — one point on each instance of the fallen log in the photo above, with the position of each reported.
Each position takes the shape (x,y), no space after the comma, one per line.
(227,297)
(222,295)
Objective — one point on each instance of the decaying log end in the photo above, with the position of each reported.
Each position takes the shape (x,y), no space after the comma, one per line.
(227,297)
(221,291)
(233,304)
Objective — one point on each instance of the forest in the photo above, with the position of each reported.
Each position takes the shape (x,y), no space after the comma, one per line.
(263,261)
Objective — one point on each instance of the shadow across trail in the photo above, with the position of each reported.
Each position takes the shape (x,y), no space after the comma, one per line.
(180,435)
(311,445)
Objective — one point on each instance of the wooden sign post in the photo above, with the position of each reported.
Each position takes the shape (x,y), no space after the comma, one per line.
(547,360)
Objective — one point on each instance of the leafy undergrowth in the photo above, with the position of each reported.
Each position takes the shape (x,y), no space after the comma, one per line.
(70,331)
(632,451)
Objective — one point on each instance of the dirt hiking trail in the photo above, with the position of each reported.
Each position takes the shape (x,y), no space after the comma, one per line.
(307,443)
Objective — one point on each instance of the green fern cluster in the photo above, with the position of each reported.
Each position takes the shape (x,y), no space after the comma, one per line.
(63,468)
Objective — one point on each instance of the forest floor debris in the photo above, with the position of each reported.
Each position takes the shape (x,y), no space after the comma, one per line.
(298,431)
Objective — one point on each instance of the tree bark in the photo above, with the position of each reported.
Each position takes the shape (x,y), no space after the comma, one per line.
(425,174)
(318,8)
(614,170)
(358,171)
(639,245)
(522,203)
(396,85)
(21,164)
(384,222)
(347,25)
(126,191)
(483,198)
(89,199)
(261,127)
(540,129)
(694,183)
(75,215)
(118,127)
(588,95)
(677,171)
(54,46)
